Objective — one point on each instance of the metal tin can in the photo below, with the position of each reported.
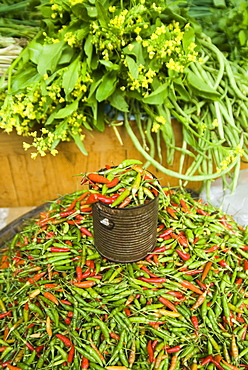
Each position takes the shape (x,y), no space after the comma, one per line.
(125,234)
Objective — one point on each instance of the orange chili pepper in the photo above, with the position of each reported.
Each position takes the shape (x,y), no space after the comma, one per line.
(48,326)
(206,270)
(85,284)
(51,297)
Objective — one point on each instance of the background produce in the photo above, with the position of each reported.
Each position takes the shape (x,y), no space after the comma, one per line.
(95,63)
(183,307)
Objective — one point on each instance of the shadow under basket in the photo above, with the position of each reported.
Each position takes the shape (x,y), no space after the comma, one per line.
(125,234)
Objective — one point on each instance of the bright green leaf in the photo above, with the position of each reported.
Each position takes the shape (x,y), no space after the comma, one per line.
(107,86)
(158,96)
(67,110)
(49,57)
(117,100)
(133,67)
(200,87)
(79,142)
(70,76)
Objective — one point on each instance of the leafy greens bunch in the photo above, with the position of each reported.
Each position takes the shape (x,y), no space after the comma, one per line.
(93,60)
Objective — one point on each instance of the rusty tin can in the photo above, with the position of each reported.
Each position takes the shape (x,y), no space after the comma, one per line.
(125,234)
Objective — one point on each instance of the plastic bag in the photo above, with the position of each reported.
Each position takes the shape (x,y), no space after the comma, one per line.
(234,204)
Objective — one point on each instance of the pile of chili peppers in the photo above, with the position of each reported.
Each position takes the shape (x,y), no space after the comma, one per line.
(63,306)
(126,185)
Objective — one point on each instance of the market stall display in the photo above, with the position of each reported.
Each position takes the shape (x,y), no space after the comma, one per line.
(94,64)
(183,306)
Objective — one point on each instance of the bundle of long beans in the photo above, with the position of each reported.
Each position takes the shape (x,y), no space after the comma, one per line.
(183,307)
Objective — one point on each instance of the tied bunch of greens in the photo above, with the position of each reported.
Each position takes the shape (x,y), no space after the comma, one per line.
(92,61)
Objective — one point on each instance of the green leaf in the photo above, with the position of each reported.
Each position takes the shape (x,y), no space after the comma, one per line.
(67,55)
(67,110)
(80,11)
(158,96)
(137,51)
(35,49)
(99,121)
(49,57)
(118,101)
(242,37)
(70,76)
(107,86)
(91,10)
(88,49)
(133,67)
(200,87)
(79,143)
(102,15)
(109,65)
(188,38)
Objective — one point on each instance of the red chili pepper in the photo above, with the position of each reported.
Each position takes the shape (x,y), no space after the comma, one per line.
(30,346)
(105,199)
(85,363)
(64,301)
(222,262)
(51,297)
(66,213)
(36,277)
(114,336)
(176,294)
(211,249)
(67,342)
(158,250)
(144,268)
(206,360)
(217,364)
(153,280)
(85,284)
(95,177)
(167,303)
(189,285)
(201,285)
(246,265)
(225,223)
(71,354)
(2,315)
(59,250)
(202,212)
(181,239)
(112,183)
(125,202)
(84,209)
(90,264)
(166,233)
(173,349)
(171,212)
(183,204)
(85,231)
(79,273)
(93,198)
(185,256)
(194,320)
(193,272)
(150,351)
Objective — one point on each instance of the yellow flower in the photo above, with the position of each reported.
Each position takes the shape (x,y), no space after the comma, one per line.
(26,146)
(54,152)
(34,155)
